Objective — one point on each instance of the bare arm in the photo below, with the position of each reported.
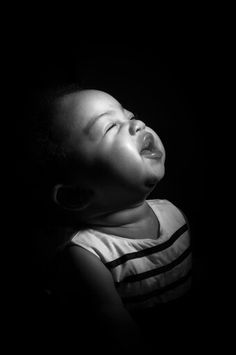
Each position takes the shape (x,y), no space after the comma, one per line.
(110,321)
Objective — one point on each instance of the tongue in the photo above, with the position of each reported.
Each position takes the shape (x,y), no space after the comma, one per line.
(155,153)
(146,151)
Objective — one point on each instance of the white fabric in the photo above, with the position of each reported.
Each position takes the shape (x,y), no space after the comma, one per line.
(167,266)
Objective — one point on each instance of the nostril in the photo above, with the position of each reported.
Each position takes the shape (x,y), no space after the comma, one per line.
(140,126)
(136,126)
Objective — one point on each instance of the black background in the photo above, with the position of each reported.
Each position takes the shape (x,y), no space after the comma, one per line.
(163,73)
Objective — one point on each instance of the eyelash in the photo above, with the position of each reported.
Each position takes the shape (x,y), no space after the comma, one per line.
(134,117)
(110,127)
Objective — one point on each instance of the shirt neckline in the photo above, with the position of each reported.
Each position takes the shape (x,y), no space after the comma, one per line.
(160,228)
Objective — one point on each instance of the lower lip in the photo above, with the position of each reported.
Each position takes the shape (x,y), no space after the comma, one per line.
(153,155)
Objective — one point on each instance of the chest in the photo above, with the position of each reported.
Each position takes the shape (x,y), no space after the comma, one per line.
(154,274)
(148,229)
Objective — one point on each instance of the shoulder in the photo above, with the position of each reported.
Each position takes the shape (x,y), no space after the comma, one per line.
(94,242)
(171,216)
(80,258)
(82,262)
(168,208)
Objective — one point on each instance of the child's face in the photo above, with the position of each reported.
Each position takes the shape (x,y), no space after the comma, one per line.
(111,142)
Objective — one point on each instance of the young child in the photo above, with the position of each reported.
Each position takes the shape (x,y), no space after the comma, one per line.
(124,254)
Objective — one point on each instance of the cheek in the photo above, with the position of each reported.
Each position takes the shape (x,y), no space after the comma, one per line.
(127,160)
(121,162)
(126,156)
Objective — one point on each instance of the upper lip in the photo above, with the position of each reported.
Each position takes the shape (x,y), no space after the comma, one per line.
(146,140)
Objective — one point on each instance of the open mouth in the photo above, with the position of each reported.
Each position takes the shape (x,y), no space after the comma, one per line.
(149,148)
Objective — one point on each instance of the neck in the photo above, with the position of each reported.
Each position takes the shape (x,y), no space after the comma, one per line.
(122,218)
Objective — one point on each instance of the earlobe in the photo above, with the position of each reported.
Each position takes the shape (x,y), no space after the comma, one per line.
(71,198)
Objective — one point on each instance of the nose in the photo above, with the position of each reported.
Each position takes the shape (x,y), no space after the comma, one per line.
(136,126)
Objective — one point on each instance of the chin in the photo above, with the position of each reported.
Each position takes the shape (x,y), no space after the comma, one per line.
(152,181)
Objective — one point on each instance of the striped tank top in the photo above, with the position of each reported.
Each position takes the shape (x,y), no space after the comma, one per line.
(146,272)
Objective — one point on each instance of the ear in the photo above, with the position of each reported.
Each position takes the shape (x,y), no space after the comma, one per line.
(72,198)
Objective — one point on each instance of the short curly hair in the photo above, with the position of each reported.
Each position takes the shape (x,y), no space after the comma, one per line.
(48,161)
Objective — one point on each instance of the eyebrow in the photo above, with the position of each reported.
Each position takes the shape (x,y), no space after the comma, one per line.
(94,120)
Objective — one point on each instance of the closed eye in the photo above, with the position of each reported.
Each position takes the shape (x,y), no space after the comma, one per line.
(134,117)
(110,127)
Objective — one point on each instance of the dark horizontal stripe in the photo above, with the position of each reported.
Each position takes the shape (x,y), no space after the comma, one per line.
(138,254)
(159,291)
(157,271)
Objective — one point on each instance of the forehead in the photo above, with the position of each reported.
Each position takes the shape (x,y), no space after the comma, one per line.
(77,109)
